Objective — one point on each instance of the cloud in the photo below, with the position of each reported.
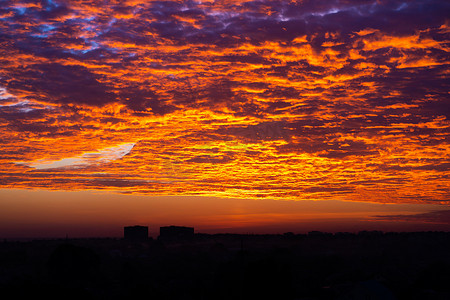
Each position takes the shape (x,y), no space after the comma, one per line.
(61,84)
(435,217)
(230,97)
(103,156)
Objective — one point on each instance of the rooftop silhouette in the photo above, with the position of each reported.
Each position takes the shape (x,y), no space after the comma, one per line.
(136,232)
(176,232)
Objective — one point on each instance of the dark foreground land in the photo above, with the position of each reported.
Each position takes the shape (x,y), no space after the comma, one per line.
(368,265)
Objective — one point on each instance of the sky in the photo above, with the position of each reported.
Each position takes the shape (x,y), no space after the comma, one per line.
(279,102)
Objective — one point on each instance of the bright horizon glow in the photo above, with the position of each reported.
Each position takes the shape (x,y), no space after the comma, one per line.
(55,214)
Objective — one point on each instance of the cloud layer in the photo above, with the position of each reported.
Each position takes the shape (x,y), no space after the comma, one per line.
(284,99)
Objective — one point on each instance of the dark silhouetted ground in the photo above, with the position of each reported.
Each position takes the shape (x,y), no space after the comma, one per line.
(368,265)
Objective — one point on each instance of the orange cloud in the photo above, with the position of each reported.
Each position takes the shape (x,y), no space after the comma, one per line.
(225,98)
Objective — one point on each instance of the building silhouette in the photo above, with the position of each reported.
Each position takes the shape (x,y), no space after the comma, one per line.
(176,232)
(135,232)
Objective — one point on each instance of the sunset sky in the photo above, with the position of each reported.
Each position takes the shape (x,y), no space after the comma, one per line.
(249,116)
